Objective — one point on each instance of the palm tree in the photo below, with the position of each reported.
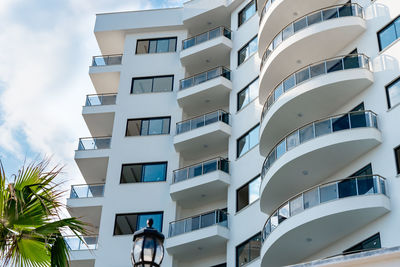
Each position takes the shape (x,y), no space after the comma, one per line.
(30,221)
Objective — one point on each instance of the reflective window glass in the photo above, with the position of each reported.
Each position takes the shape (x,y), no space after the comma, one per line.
(152,84)
(393,93)
(142,47)
(311,198)
(127,224)
(156,45)
(247,141)
(387,36)
(296,205)
(247,12)
(162,46)
(328,192)
(144,172)
(373,242)
(323,127)
(249,49)
(340,123)
(142,85)
(347,188)
(306,133)
(154,172)
(248,193)
(148,127)
(247,95)
(163,84)
(248,250)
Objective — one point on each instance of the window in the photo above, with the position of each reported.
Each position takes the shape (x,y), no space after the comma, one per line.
(389,34)
(152,84)
(393,93)
(247,141)
(248,250)
(372,242)
(161,45)
(397,156)
(247,12)
(247,95)
(248,50)
(154,126)
(127,224)
(144,172)
(248,193)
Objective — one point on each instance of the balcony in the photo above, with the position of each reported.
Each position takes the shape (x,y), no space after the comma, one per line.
(326,86)
(203,182)
(202,135)
(290,49)
(320,216)
(310,154)
(214,45)
(205,91)
(98,112)
(92,158)
(105,72)
(82,250)
(198,236)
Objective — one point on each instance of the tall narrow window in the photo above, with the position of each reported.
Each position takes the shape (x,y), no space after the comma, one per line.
(247,50)
(144,172)
(397,157)
(152,84)
(161,45)
(393,93)
(127,224)
(247,141)
(248,193)
(153,126)
(389,34)
(247,12)
(248,94)
(248,250)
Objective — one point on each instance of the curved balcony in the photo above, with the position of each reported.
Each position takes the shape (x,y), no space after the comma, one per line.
(312,38)
(326,86)
(105,73)
(320,216)
(308,155)
(98,112)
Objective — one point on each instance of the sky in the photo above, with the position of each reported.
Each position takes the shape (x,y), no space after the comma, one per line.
(45,52)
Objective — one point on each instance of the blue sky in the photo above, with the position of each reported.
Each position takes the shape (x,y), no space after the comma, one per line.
(46,48)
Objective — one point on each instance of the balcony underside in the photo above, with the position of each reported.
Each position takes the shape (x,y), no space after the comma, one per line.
(312,162)
(93,164)
(87,209)
(313,44)
(99,119)
(314,99)
(105,79)
(304,234)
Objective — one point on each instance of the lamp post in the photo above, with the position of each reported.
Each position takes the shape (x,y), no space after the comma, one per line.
(148,248)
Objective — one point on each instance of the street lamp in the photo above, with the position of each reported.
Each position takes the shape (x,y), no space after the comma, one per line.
(148,249)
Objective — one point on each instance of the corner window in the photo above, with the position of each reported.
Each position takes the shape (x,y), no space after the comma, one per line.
(248,250)
(247,12)
(373,242)
(389,34)
(247,51)
(397,156)
(393,93)
(152,84)
(248,193)
(150,46)
(153,126)
(127,224)
(247,141)
(247,95)
(145,172)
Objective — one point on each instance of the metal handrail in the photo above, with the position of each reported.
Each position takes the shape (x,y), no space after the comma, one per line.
(101,98)
(220,73)
(88,188)
(267,104)
(221,33)
(218,112)
(81,145)
(271,45)
(380,189)
(106,59)
(371,123)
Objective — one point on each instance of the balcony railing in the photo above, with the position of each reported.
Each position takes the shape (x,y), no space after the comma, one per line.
(87,242)
(352,61)
(100,100)
(87,191)
(90,143)
(202,168)
(198,222)
(203,120)
(107,60)
(352,120)
(266,6)
(203,37)
(325,14)
(204,77)
(353,186)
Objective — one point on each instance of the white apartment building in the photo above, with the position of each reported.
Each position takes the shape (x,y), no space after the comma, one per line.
(254,133)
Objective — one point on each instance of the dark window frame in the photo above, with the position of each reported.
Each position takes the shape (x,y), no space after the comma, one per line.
(396,80)
(397,158)
(387,25)
(244,88)
(243,135)
(156,39)
(152,87)
(138,213)
(243,186)
(351,249)
(244,9)
(141,123)
(243,243)
(143,164)
(240,49)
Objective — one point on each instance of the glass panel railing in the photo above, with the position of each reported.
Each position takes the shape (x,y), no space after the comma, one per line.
(197,222)
(352,186)
(203,37)
(203,120)
(87,191)
(266,6)
(204,77)
(90,143)
(100,100)
(202,168)
(87,242)
(107,60)
(352,120)
(347,62)
(325,14)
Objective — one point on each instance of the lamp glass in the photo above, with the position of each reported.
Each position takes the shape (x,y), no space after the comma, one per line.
(148,249)
(137,249)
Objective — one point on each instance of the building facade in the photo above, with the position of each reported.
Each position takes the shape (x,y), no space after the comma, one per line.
(253,132)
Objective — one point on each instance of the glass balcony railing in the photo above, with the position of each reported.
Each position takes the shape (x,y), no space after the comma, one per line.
(75,243)
(107,60)
(90,143)
(203,37)
(100,100)
(266,6)
(353,186)
(198,222)
(87,191)
(325,14)
(352,120)
(204,77)
(352,61)
(203,120)
(202,168)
